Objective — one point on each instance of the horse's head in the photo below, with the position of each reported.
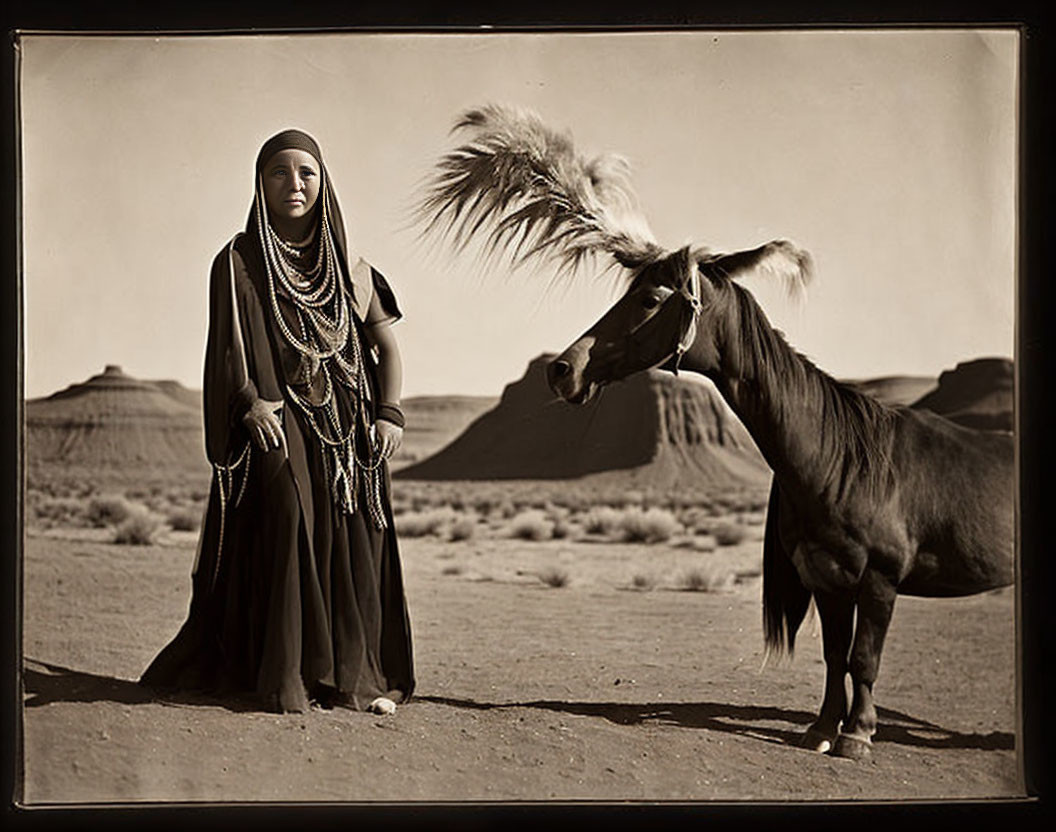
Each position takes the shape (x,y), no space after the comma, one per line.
(652,324)
(676,303)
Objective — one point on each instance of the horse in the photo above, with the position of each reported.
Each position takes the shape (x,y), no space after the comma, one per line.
(868,501)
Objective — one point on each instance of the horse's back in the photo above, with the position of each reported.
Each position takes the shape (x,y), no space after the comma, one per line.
(957,488)
(939,455)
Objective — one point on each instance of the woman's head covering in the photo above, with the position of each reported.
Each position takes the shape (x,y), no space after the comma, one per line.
(288,140)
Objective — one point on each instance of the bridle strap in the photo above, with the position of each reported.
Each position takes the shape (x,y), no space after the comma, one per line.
(690,292)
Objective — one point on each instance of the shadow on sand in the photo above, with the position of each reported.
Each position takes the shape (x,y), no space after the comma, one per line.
(751,721)
(46,684)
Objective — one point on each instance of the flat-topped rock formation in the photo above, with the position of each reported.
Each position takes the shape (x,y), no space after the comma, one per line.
(115,420)
(654,429)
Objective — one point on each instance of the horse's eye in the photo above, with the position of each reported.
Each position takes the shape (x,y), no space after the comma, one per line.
(655,296)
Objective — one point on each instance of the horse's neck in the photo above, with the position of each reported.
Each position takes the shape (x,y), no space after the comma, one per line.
(778,395)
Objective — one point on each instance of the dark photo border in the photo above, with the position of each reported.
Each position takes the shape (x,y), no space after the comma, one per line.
(1033,366)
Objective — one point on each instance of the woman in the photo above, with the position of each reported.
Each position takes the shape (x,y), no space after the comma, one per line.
(297,589)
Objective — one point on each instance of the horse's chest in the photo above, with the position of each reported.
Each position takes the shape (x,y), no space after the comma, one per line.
(828,553)
(824,568)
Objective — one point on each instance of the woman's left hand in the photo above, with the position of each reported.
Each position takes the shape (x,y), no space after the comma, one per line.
(389,438)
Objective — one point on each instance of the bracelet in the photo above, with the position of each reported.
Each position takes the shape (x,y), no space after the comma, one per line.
(391,413)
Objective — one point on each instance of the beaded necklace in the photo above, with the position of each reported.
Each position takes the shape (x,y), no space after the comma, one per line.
(327,340)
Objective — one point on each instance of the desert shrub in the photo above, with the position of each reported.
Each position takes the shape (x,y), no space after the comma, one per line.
(704,543)
(562,529)
(484,505)
(553,510)
(630,498)
(575,503)
(159,504)
(728,534)
(650,526)
(682,501)
(643,582)
(463,528)
(711,578)
(507,509)
(729,501)
(696,518)
(749,572)
(59,511)
(753,518)
(420,523)
(137,529)
(531,525)
(554,576)
(452,569)
(758,503)
(184,520)
(603,520)
(108,510)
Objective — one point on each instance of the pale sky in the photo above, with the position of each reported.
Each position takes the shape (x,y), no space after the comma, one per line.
(890,155)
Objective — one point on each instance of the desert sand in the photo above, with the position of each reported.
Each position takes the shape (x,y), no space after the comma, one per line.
(588,691)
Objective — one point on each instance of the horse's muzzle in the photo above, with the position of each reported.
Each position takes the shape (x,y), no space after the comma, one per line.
(565,375)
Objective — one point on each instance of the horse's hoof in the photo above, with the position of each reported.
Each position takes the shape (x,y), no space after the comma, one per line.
(382,705)
(816,741)
(853,748)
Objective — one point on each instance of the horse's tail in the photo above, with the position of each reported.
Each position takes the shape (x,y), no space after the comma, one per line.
(785,599)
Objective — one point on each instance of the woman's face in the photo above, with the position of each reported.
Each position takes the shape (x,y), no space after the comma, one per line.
(291,184)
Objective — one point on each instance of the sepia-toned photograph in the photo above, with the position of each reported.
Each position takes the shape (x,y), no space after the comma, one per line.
(520,416)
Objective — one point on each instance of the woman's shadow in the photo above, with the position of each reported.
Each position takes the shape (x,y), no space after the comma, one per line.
(46,684)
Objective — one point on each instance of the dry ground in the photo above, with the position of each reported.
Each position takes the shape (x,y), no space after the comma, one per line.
(588,691)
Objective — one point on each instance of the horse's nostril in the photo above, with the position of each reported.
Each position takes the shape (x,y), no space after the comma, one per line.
(558,371)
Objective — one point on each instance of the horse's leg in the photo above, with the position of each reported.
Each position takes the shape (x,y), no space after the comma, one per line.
(836,610)
(876,601)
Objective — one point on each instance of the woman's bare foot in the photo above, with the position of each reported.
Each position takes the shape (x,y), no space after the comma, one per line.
(382,705)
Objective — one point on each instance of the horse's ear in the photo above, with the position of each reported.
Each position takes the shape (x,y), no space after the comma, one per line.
(710,267)
(780,258)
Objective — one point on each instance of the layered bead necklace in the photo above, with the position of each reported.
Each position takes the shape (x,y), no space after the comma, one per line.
(328,343)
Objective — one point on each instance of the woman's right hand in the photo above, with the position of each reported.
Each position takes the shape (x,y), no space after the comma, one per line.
(262,422)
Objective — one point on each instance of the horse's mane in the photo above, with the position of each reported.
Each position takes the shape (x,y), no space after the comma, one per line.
(855,427)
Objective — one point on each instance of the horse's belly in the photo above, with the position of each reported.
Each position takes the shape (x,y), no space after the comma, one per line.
(943,576)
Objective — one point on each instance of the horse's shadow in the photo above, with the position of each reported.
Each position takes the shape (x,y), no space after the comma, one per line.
(47,684)
(752,721)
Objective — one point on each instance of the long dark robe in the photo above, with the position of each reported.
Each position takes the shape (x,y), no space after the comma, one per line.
(289,593)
